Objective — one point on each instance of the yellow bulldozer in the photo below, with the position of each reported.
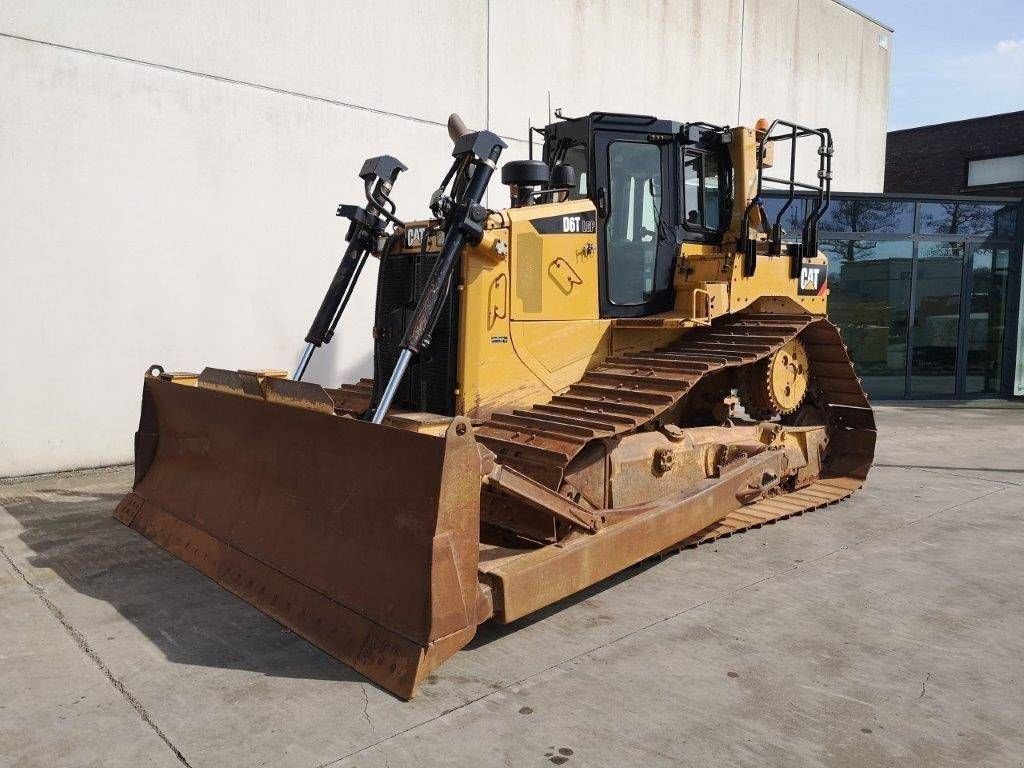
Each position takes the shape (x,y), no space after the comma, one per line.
(630,359)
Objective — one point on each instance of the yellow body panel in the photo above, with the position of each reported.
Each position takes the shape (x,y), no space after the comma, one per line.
(529,324)
(554,276)
(490,373)
(771,279)
(529,316)
(558,353)
(706,267)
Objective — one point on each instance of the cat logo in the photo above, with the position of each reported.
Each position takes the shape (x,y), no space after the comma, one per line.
(414,236)
(813,279)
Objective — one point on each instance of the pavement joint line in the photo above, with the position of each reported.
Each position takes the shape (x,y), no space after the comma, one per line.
(233,81)
(83,645)
(945,471)
(924,683)
(638,630)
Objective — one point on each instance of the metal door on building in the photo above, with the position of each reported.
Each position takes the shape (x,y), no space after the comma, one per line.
(958,311)
(984,319)
(958,319)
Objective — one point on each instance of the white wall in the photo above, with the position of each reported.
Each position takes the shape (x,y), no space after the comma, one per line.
(673,59)
(169,172)
(823,65)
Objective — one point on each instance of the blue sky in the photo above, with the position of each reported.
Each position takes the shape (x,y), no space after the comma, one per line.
(952,59)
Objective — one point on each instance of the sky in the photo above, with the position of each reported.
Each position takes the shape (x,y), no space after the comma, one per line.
(952,59)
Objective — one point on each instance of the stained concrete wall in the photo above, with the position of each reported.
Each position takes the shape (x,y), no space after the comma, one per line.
(820,64)
(169,172)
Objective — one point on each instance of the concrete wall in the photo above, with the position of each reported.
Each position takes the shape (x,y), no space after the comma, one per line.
(821,64)
(169,172)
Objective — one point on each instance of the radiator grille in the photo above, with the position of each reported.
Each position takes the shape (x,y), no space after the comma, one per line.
(429,383)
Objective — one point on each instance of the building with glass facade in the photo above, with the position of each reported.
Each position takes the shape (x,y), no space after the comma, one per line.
(926,290)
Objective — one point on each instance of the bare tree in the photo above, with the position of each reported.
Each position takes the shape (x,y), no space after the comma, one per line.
(860,215)
(957,217)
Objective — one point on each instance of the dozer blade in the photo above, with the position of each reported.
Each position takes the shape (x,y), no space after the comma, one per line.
(362,539)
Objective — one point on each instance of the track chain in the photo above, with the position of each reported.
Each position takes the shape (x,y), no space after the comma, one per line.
(634,391)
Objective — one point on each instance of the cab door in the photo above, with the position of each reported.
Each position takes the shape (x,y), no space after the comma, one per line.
(635,224)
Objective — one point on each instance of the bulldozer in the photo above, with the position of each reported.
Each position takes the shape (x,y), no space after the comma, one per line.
(630,359)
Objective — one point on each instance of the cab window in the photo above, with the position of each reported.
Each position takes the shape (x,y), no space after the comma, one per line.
(631,229)
(576,156)
(702,192)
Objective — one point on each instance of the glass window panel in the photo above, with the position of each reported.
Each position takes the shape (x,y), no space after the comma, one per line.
(986,326)
(1018,373)
(859,214)
(712,193)
(577,158)
(936,318)
(792,220)
(1006,221)
(869,299)
(958,217)
(629,208)
(631,227)
(995,170)
(691,189)
(649,208)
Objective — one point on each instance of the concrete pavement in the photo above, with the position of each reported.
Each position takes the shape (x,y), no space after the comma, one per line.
(886,629)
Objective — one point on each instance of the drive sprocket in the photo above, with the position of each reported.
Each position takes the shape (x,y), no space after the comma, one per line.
(776,385)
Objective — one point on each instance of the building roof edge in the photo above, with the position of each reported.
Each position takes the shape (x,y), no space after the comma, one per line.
(954,122)
(863,15)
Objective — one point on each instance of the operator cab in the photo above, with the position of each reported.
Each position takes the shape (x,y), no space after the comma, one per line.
(655,184)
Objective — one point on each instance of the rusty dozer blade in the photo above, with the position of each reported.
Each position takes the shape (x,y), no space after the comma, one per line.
(363,539)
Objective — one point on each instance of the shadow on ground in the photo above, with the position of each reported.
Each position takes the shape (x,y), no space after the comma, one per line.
(190,618)
(187,616)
